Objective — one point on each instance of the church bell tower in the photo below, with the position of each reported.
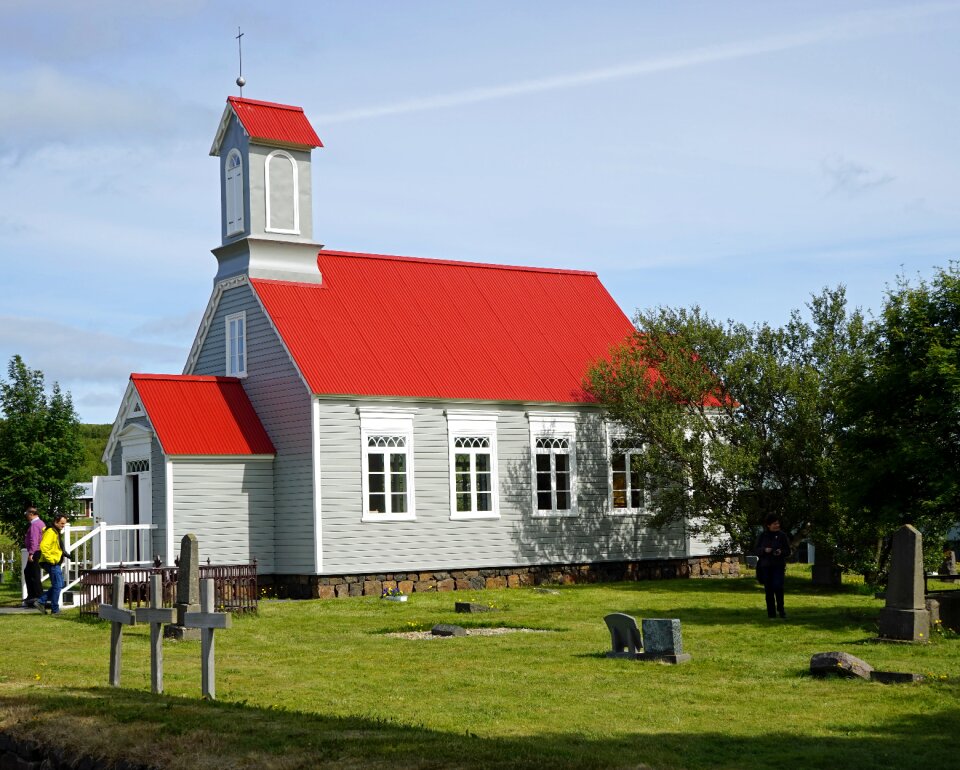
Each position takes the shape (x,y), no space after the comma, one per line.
(266,209)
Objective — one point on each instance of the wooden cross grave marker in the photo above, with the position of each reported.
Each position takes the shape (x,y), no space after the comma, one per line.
(207,620)
(118,617)
(156,615)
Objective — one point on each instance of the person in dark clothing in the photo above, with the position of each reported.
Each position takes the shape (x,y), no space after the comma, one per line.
(31,541)
(773,548)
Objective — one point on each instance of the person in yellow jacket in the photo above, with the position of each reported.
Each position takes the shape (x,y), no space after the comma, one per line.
(51,559)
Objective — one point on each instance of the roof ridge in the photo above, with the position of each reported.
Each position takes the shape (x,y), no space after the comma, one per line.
(259,103)
(183,377)
(454,263)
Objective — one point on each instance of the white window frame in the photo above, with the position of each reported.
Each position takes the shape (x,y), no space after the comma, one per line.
(387,422)
(233,193)
(613,438)
(473,424)
(553,425)
(229,338)
(296,193)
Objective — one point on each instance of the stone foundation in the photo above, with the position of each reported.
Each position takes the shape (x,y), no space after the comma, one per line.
(342,586)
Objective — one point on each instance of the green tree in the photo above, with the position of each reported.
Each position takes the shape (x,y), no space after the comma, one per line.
(901,443)
(736,421)
(94,440)
(39,446)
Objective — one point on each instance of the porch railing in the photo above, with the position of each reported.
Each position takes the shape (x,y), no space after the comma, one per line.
(101,546)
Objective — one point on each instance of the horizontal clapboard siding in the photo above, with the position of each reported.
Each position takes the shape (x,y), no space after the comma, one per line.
(282,403)
(434,542)
(228,505)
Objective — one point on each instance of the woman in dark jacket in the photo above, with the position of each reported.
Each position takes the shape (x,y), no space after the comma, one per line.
(773,548)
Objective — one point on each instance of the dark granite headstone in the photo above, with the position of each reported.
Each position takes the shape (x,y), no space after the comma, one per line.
(905,616)
(446,629)
(662,641)
(471,607)
(894,677)
(625,640)
(824,572)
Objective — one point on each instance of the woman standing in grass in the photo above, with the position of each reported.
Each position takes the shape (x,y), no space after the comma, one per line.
(773,548)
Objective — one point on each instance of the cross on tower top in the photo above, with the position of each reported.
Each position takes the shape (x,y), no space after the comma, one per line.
(240,81)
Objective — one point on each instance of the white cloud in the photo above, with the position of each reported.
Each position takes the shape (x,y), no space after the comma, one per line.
(852,178)
(70,355)
(50,106)
(841,28)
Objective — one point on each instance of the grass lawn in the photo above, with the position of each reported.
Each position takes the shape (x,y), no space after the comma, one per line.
(318,684)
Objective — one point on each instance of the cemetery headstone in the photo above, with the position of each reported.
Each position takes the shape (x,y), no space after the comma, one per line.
(188,590)
(625,639)
(207,621)
(471,607)
(662,641)
(118,617)
(905,616)
(840,663)
(155,615)
(824,572)
(446,629)
(949,564)
(894,677)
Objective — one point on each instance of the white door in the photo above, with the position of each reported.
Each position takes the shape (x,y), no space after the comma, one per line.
(108,499)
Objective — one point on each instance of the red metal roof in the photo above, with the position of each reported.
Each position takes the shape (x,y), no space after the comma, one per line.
(401,326)
(202,415)
(280,123)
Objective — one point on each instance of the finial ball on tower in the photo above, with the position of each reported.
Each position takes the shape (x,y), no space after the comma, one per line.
(241,81)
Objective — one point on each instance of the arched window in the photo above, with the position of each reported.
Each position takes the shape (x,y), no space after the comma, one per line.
(233,182)
(282,193)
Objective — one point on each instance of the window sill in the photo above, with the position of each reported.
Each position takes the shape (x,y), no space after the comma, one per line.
(623,512)
(464,516)
(555,514)
(377,517)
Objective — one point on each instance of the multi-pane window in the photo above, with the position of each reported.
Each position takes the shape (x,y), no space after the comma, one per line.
(236,345)
(628,481)
(138,466)
(553,474)
(472,436)
(387,479)
(387,475)
(473,474)
(553,454)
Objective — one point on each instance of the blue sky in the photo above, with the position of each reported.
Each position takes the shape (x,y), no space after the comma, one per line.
(736,155)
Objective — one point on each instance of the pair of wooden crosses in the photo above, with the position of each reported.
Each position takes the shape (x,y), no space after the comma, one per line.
(156,615)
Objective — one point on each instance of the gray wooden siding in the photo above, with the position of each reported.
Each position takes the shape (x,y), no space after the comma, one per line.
(283,405)
(433,541)
(228,504)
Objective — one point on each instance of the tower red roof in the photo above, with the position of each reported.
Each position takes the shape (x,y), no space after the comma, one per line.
(270,123)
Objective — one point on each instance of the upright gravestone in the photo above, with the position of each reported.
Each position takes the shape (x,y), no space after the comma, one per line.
(662,641)
(949,564)
(625,639)
(206,620)
(188,590)
(118,617)
(155,615)
(905,616)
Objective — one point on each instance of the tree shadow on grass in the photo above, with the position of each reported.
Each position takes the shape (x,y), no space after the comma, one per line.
(163,731)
